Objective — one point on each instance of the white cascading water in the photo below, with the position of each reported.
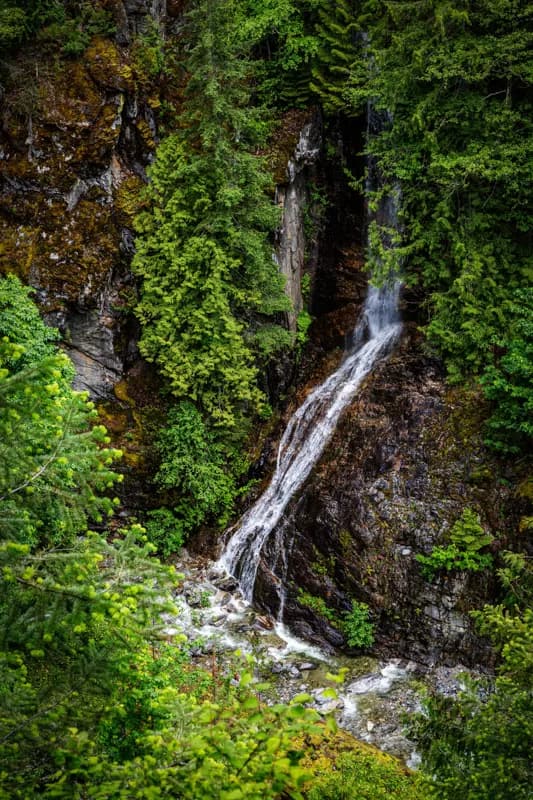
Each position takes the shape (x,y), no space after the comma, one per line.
(309,430)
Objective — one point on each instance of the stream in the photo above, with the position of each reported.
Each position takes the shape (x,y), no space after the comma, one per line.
(371,702)
(216,611)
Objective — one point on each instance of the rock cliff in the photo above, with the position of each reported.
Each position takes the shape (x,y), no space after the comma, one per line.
(406,459)
(75,139)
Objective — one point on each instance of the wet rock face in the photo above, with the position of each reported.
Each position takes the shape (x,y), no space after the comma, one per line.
(74,147)
(293,197)
(405,461)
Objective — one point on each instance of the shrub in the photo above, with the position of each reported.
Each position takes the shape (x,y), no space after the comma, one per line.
(194,466)
(165,531)
(366,776)
(463,553)
(357,627)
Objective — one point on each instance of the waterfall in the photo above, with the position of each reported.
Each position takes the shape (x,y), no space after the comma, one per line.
(310,429)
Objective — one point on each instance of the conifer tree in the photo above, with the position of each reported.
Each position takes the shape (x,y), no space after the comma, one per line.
(52,463)
(204,251)
(340,43)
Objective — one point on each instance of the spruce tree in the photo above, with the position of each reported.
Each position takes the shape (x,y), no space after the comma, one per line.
(340,43)
(204,249)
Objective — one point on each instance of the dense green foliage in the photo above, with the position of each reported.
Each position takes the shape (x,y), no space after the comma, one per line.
(467,540)
(478,746)
(338,44)
(209,280)
(508,382)
(71,619)
(69,24)
(52,469)
(20,322)
(194,470)
(96,699)
(454,78)
(285,44)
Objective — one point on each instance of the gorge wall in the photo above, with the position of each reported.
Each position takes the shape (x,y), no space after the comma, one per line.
(406,458)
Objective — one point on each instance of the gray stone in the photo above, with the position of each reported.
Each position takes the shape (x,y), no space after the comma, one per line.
(293,199)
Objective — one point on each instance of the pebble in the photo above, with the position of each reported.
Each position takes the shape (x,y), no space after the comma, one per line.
(331,705)
(294,672)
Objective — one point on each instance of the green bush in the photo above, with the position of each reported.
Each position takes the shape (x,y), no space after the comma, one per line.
(165,531)
(357,627)
(467,538)
(196,469)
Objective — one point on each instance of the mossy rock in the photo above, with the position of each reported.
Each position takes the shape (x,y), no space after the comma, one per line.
(121,393)
(108,66)
(283,142)
(128,199)
(344,768)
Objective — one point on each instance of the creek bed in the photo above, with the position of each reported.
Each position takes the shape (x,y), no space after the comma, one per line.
(370,703)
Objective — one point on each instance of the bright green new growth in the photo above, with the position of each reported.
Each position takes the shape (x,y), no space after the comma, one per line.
(467,539)
(20,322)
(53,468)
